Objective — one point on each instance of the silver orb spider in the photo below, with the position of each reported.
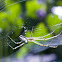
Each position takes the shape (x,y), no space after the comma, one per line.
(33,39)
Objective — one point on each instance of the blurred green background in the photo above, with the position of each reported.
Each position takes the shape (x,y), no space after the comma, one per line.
(21,16)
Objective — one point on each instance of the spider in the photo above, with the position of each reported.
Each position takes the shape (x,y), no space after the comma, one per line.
(25,40)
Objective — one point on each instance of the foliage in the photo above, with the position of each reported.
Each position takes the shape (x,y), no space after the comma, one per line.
(13,21)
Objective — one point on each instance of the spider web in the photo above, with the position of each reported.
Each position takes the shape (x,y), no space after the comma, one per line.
(3,6)
(3,3)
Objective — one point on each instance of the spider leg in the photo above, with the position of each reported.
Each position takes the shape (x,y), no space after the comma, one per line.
(40,44)
(14,41)
(48,38)
(16,46)
(51,41)
(44,45)
(54,46)
(48,34)
(31,32)
(58,24)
